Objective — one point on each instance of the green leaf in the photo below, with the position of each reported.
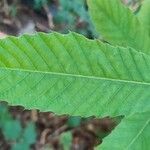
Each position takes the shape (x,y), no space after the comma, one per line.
(66,140)
(4,115)
(29,135)
(144,14)
(20,146)
(131,134)
(69,74)
(116,23)
(12,130)
(74,121)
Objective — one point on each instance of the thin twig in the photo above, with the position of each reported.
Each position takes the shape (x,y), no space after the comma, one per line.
(49,17)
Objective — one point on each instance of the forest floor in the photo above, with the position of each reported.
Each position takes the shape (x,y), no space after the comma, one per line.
(86,132)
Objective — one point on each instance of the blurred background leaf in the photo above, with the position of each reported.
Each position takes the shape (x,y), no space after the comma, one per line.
(66,140)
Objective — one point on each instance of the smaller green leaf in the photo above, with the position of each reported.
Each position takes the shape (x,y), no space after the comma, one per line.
(118,25)
(20,146)
(66,140)
(39,3)
(144,14)
(29,135)
(74,121)
(131,134)
(4,115)
(12,129)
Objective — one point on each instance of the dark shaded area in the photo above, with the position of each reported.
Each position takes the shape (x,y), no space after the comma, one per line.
(86,132)
(28,16)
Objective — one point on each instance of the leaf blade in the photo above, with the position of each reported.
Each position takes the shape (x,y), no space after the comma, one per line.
(144,14)
(62,73)
(132,133)
(118,25)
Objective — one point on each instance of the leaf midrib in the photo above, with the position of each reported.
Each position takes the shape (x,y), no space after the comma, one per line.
(78,76)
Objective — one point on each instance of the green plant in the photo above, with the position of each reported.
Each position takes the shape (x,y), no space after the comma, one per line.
(66,140)
(37,4)
(69,74)
(19,137)
(75,17)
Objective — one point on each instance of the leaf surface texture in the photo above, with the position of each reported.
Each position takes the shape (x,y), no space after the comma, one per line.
(69,74)
(144,14)
(118,25)
(131,134)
